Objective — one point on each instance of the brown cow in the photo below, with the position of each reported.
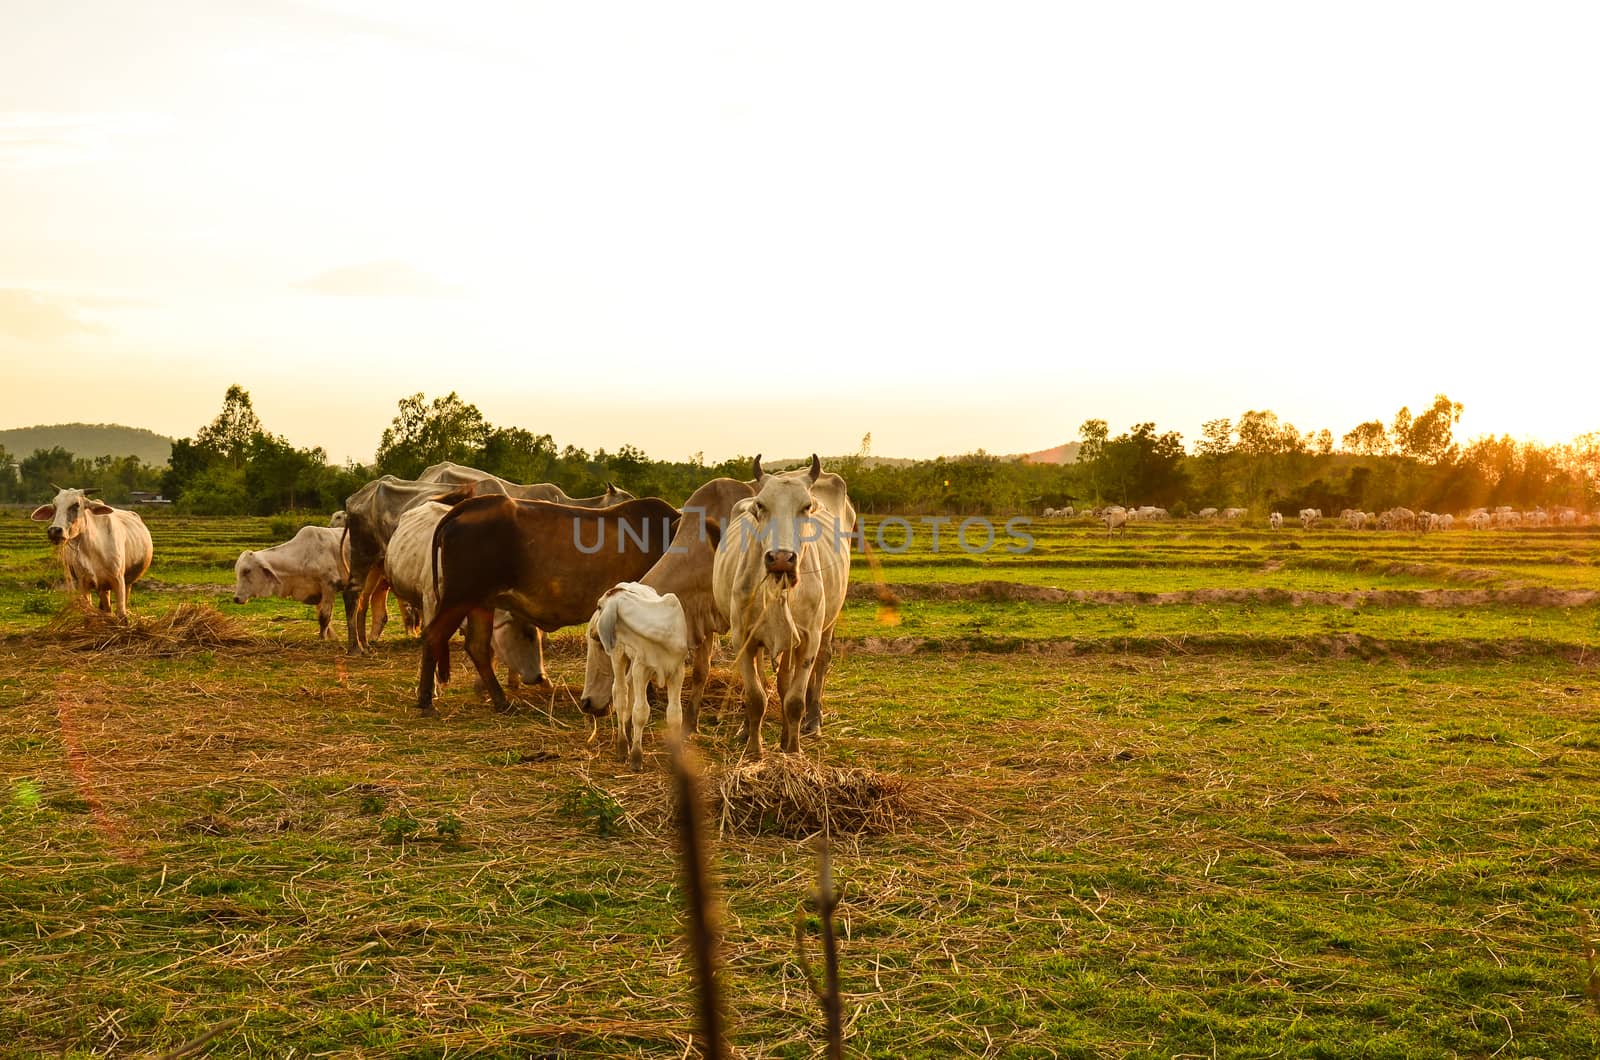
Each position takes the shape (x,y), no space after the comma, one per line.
(545,563)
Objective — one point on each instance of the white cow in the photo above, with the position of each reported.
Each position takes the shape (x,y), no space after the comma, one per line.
(779,577)
(1207,513)
(1309,517)
(1234,513)
(102,549)
(1275,520)
(646,637)
(311,567)
(1115,517)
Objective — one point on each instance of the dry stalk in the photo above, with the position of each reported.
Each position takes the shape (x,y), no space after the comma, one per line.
(704,922)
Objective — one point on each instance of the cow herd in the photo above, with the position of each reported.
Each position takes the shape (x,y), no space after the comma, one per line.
(767,560)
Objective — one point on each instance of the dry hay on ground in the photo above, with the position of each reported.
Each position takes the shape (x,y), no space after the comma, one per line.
(186,628)
(790,795)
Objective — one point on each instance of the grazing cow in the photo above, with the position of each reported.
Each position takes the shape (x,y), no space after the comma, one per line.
(1234,513)
(309,568)
(780,577)
(1309,517)
(1115,517)
(103,550)
(1207,513)
(1275,520)
(545,563)
(685,571)
(645,637)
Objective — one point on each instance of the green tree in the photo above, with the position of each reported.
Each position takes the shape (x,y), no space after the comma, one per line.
(1367,439)
(1428,436)
(1092,444)
(1212,452)
(518,455)
(423,434)
(45,469)
(231,434)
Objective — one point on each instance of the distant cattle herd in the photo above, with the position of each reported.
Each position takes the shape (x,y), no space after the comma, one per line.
(1115,517)
(767,560)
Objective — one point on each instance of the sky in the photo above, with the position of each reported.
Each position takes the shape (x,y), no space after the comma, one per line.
(728,228)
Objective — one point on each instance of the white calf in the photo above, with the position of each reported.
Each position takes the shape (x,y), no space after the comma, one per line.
(647,638)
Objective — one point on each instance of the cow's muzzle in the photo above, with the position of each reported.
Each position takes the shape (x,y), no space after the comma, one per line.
(56,535)
(782,564)
(238,599)
(588,707)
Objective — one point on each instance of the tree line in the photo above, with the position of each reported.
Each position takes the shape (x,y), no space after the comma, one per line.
(235,466)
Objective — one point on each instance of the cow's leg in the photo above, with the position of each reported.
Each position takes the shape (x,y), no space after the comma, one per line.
(436,653)
(324,612)
(621,706)
(675,720)
(699,675)
(411,618)
(794,674)
(812,722)
(380,608)
(639,678)
(480,649)
(755,701)
(373,588)
(351,598)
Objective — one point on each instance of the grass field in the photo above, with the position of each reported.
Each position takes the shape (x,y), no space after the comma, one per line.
(1199,791)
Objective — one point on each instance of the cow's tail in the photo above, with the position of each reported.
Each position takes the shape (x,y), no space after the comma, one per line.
(344,555)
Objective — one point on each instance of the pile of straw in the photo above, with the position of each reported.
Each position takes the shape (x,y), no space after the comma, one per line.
(791,795)
(186,628)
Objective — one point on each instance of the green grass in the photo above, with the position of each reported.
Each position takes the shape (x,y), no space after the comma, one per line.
(1233,829)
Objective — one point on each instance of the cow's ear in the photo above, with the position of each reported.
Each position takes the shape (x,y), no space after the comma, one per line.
(100,509)
(713,533)
(44,513)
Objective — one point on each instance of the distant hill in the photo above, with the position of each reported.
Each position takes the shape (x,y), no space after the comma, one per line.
(89,440)
(1061,454)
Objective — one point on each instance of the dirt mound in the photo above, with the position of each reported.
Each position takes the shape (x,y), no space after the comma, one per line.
(1319,646)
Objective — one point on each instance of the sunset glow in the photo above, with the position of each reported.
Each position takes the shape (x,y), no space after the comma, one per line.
(953,227)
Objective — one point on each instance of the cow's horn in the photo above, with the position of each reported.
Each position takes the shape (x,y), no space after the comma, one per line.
(756,466)
(816,467)
(58,489)
(90,491)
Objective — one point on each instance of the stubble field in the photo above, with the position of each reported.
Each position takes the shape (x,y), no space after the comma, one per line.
(1198,791)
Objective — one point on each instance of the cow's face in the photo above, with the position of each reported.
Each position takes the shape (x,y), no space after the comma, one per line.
(252,578)
(782,512)
(597,673)
(67,512)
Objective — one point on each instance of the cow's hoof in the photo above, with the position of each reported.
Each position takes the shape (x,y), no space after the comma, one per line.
(427,712)
(811,727)
(636,761)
